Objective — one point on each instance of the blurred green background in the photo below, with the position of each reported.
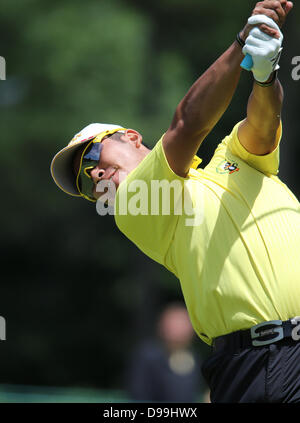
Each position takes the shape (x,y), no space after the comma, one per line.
(76,295)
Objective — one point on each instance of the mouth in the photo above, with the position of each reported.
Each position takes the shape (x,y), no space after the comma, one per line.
(110,178)
(112,173)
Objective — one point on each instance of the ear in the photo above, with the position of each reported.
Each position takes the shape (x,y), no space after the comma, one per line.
(134,137)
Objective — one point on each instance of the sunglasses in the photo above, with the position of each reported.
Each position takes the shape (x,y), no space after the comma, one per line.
(89,159)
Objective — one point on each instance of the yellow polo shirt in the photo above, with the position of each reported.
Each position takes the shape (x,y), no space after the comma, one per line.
(238,263)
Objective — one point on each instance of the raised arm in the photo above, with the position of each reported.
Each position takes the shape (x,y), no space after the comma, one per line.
(201,108)
(208,98)
(259,131)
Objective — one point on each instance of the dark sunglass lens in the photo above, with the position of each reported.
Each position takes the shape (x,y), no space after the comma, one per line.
(93,152)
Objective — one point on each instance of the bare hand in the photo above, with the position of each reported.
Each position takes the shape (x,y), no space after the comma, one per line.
(274,9)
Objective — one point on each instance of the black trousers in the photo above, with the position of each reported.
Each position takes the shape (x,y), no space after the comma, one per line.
(268,374)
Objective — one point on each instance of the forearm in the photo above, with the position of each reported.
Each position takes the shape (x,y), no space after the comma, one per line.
(258,133)
(264,108)
(210,95)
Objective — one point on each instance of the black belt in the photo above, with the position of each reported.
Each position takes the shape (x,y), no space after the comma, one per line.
(259,335)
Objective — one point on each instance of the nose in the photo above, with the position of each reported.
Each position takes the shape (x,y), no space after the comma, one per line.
(97,174)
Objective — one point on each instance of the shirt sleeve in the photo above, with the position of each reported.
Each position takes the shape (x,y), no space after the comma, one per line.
(141,212)
(268,164)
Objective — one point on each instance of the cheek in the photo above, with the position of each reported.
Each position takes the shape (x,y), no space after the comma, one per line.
(112,154)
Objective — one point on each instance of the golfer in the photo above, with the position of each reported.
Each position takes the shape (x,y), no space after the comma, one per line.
(239,264)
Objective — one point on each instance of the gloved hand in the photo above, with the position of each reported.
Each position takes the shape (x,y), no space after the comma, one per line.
(265,50)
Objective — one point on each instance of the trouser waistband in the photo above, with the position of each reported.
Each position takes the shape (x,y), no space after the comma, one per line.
(264,333)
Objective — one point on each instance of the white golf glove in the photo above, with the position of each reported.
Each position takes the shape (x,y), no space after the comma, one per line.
(265,50)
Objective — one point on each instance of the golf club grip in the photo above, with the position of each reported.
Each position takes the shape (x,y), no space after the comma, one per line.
(247,63)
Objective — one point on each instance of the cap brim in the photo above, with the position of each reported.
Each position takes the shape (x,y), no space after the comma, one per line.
(62,169)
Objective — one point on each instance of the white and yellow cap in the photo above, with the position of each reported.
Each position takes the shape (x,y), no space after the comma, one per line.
(62,167)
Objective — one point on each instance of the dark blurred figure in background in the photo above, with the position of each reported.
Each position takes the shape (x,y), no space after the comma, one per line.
(165,369)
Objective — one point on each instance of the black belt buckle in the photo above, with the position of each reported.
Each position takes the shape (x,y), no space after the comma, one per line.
(260,330)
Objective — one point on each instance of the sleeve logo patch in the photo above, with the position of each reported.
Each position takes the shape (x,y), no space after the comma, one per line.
(227,167)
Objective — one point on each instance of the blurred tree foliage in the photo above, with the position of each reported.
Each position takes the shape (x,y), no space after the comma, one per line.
(75,293)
